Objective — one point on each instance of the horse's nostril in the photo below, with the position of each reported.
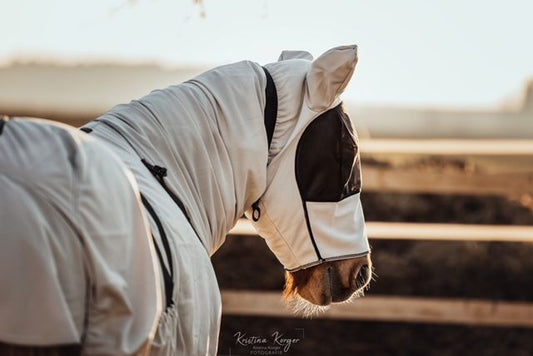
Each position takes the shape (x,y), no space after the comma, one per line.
(362,276)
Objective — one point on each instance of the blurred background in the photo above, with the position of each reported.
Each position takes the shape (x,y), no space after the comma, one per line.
(442,99)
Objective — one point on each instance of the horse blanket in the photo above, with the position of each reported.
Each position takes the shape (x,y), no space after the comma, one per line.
(77,263)
(202,158)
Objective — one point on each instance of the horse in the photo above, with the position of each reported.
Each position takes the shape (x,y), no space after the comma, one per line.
(269,142)
(272,143)
(78,272)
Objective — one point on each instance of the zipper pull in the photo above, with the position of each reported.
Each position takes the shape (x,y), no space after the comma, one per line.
(158,171)
(256,211)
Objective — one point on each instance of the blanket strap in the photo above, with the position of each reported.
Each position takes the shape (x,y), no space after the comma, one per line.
(271,106)
(271,114)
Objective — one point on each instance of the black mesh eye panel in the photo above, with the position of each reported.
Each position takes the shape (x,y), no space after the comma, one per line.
(327,163)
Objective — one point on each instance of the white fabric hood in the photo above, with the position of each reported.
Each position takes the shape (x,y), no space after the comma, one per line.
(209,134)
(311,211)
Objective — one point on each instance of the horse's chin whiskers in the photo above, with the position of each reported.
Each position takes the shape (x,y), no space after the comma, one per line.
(373,274)
(302,307)
(357,294)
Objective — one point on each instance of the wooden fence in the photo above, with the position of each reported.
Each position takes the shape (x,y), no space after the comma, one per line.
(490,167)
(386,308)
(499,168)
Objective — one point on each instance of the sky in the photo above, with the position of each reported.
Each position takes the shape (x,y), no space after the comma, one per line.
(467,53)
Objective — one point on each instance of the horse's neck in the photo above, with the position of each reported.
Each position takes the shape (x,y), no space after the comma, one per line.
(209,132)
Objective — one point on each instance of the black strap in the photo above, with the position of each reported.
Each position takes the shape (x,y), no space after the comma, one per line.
(271,115)
(168,274)
(271,106)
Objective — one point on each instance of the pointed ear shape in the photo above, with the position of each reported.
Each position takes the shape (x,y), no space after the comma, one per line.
(294,54)
(329,75)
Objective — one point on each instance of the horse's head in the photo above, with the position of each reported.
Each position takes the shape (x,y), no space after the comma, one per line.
(310,213)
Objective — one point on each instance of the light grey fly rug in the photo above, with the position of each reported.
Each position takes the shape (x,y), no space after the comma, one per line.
(272,142)
(77,264)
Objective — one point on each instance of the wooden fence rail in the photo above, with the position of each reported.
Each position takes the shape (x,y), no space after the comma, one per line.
(481,147)
(428,232)
(412,180)
(389,308)
(492,167)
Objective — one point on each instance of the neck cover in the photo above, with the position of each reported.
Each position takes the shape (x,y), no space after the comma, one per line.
(311,211)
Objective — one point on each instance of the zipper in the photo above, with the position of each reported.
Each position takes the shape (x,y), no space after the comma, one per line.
(168,274)
(160,173)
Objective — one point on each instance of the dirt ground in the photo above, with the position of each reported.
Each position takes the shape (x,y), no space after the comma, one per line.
(493,271)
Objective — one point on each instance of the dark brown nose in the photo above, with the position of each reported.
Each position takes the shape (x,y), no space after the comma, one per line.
(342,291)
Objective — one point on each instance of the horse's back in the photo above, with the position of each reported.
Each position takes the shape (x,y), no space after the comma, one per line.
(76,263)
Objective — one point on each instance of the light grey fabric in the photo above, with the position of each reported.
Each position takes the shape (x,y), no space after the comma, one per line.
(295,54)
(209,134)
(77,263)
(190,326)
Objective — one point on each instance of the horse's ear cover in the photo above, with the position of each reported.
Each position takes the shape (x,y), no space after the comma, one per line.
(329,75)
(311,210)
